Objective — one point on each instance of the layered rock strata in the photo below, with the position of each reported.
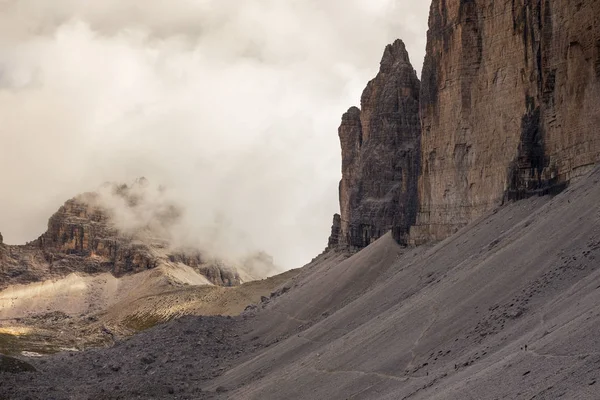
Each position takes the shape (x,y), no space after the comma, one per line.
(380,156)
(510,105)
(82,237)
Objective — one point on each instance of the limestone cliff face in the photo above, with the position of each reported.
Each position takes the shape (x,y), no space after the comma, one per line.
(81,228)
(510,105)
(82,237)
(380,155)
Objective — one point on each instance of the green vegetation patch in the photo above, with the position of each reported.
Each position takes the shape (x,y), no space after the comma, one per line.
(141,322)
(13,345)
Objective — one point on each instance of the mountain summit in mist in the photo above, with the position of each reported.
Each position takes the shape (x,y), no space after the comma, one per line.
(117,230)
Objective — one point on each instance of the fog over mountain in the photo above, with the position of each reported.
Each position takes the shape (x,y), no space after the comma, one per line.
(233,106)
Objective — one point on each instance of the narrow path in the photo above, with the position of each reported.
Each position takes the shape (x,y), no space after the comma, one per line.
(310,340)
(583,355)
(411,364)
(355,395)
(290,317)
(362,373)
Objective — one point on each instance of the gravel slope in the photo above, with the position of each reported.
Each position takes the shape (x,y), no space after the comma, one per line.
(448,322)
(508,308)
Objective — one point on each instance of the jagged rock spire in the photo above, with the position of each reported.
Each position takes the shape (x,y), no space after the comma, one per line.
(380,153)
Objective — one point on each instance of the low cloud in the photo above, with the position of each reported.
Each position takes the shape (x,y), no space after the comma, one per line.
(232,105)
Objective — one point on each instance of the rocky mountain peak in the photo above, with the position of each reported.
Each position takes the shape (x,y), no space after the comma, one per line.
(120,234)
(393,55)
(380,153)
(487,125)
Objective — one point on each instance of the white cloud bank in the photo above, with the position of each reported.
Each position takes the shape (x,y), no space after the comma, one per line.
(232,104)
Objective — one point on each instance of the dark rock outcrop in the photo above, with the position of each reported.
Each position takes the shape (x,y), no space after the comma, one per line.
(214,270)
(14,366)
(380,156)
(510,105)
(336,230)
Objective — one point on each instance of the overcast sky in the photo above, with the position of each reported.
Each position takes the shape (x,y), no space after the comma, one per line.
(232,104)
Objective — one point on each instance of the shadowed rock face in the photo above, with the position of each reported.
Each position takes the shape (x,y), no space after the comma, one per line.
(510,105)
(334,237)
(13,365)
(82,237)
(380,155)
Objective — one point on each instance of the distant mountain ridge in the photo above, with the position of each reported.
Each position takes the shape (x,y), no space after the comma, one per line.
(82,237)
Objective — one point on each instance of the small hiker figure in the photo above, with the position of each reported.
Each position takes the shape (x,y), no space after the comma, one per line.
(525,347)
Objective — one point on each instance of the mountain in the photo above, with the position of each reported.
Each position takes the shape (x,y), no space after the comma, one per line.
(506,308)
(84,236)
(107,267)
(380,154)
(464,260)
(508,107)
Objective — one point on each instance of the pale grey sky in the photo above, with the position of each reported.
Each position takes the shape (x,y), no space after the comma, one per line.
(234,105)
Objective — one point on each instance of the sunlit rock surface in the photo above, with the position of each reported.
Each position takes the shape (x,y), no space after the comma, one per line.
(510,104)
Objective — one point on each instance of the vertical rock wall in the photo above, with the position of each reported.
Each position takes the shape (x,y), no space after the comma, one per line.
(380,156)
(510,105)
